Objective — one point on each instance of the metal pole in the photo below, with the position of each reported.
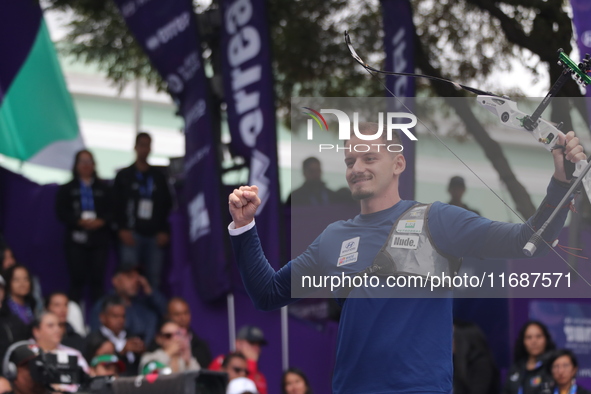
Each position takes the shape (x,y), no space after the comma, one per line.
(284,339)
(137,107)
(231,321)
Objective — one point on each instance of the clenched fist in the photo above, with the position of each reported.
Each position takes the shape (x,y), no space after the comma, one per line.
(243,203)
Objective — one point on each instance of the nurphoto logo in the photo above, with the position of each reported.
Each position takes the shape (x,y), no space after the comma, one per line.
(392,123)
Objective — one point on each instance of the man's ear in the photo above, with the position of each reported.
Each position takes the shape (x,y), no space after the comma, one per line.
(102,318)
(399,164)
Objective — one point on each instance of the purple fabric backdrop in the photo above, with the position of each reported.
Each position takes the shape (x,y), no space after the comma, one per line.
(582,22)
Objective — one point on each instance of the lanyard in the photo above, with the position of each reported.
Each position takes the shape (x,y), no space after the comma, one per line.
(86,197)
(145,187)
(573,389)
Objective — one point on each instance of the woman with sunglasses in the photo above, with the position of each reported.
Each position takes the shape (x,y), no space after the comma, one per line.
(174,349)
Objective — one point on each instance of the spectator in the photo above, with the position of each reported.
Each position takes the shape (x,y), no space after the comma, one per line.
(48,335)
(19,298)
(57,303)
(313,191)
(475,371)
(83,205)
(23,383)
(456,189)
(179,312)
(174,350)
(294,381)
(106,365)
(563,367)
(98,345)
(142,205)
(11,327)
(248,342)
(8,259)
(235,365)
(143,311)
(127,345)
(241,386)
(529,374)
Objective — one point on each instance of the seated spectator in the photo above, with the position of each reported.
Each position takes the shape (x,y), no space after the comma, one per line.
(8,259)
(563,367)
(248,342)
(11,327)
(174,350)
(179,312)
(19,298)
(58,304)
(98,345)
(106,365)
(128,346)
(241,386)
(294,381)
(48,335)
(83,205)
(235,365)
(143,312)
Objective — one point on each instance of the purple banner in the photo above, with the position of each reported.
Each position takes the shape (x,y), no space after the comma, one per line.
(23,17)
(399,32)
(582,22)
(248,88)
(167,32)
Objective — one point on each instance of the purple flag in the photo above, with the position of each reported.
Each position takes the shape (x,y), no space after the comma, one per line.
(582,22)
(167,32)
(399,32)
(248,89)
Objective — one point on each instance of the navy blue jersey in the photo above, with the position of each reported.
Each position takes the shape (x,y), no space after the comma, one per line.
(390,345)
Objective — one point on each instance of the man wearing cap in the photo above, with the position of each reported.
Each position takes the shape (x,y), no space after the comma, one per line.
(106,365)
(23,382)
(248,342)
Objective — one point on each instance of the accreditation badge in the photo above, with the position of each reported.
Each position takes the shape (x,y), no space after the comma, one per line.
(88,215)
(144,209)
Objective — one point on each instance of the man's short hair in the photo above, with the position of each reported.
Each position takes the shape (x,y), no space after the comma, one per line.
(310,160)
(228,357)
(112,300)
(367,128)
(141,135)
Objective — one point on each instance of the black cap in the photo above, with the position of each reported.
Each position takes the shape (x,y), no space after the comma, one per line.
(252,334)
(23,354)
(457,181)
